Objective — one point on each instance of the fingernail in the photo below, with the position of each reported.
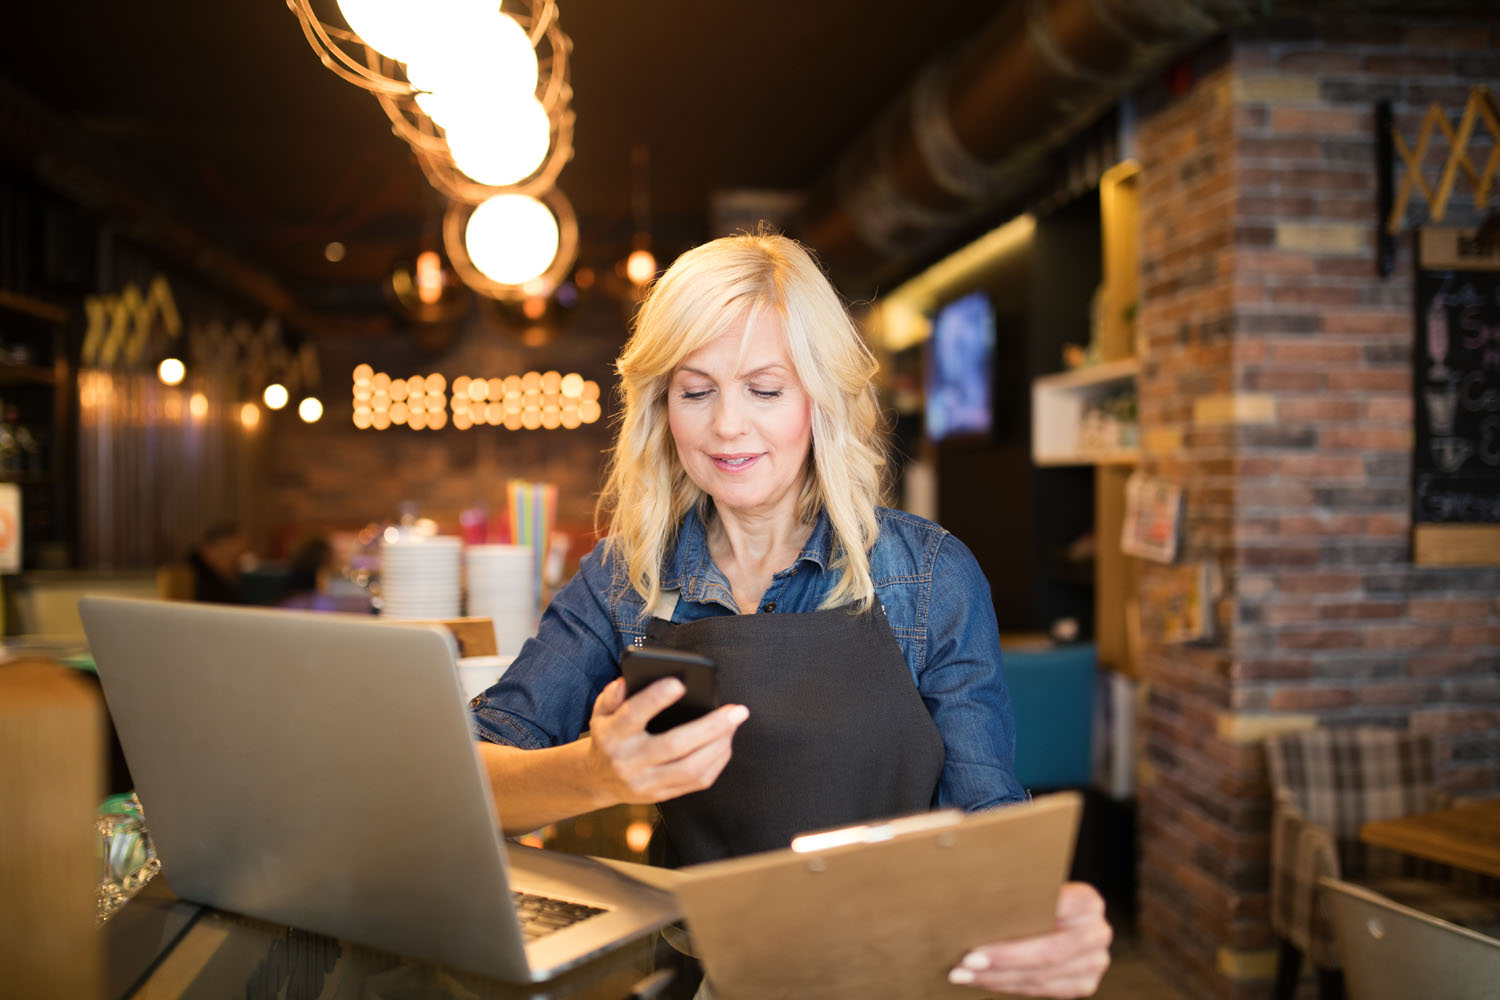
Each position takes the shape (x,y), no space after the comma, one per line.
(739,714)
(961,976)
(976,960)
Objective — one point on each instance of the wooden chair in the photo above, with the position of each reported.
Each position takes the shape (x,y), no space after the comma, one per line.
(1326,783)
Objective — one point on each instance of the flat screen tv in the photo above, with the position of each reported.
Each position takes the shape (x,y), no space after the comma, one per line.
(960,367)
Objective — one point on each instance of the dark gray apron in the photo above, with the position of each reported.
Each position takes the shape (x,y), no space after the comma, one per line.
(837,733)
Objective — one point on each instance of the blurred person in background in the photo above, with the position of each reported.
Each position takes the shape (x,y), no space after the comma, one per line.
(216,563)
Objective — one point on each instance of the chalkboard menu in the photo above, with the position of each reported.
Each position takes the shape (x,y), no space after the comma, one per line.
(1456,466)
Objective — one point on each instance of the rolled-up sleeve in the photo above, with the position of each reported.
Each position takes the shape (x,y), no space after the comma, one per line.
(962,682)
(546,695)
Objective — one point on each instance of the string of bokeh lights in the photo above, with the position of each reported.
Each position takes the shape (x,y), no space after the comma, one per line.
(536,400)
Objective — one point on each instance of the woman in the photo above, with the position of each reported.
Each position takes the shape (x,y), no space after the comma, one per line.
(857,649)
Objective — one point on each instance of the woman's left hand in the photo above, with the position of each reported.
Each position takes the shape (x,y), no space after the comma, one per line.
(1067,962)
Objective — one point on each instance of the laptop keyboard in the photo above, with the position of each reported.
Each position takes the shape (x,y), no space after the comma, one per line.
(541,915)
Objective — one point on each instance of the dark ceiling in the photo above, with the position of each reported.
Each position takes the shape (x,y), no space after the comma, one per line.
(223,112)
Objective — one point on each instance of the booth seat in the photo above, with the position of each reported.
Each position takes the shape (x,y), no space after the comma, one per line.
(1052,693)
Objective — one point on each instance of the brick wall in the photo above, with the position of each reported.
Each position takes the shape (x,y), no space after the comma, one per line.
(1277,391)
(325,476)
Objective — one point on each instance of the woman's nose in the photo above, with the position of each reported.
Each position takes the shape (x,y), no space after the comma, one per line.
(729,416)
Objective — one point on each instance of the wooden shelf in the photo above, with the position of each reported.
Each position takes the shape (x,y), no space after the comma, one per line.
(1058,405)
(33,374)
(1126,456)
(16,302)
(1092,375)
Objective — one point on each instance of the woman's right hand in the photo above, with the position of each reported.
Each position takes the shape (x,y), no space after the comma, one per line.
(652,767)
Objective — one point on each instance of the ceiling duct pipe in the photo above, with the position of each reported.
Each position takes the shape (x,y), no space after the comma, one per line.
(975,130)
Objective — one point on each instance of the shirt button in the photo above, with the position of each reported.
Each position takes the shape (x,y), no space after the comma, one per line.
(768,607)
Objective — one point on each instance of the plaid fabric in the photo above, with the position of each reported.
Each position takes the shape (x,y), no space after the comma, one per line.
(1327,783)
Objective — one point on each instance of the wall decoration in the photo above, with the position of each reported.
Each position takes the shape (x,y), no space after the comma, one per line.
(1177,602)
(1153,515)
(10,528)
(121,327)
(1456,382)
(1480,107)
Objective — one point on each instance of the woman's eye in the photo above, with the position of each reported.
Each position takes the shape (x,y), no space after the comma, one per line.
(766,393)
(691,394)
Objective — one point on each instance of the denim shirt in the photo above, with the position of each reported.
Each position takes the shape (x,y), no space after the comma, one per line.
(935,597)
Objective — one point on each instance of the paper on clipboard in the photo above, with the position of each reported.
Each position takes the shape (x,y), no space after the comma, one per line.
(877,915)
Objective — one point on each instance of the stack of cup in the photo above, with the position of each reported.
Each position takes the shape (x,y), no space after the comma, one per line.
(502,588)
(419,577)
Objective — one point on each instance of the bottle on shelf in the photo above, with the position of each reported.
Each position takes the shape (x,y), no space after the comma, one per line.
(28,449)
(10,459)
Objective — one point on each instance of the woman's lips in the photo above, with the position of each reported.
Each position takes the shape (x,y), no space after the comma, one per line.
(734,463)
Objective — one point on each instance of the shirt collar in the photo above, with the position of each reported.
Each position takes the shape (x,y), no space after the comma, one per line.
(689,567)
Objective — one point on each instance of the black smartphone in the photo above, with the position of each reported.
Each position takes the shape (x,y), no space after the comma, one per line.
(642,665)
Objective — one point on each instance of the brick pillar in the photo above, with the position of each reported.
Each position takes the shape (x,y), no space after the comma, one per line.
(1276,390)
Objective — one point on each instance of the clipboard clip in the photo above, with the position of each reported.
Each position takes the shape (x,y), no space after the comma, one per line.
(875,833)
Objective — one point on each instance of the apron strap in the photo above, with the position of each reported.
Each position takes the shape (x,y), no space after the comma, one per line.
(666,604)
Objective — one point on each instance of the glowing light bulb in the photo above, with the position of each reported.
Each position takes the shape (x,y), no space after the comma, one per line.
(501,144)
(275,395)
(484,57)
(512,238)
(429,277)
(171,371)
(638,836)
(640,266)
(249,416)
(402,30)
(310,410)
(198,405)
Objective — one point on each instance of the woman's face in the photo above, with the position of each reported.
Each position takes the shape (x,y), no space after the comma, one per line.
(742,421)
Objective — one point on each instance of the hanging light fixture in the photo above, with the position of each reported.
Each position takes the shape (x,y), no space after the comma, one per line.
(389,27)
(512,246)
(429,277)
(504,145)
(488,59)
(482,97)
(171,371)
(511,238)
(640,266)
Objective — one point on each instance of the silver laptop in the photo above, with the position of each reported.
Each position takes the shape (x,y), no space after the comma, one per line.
(318,770)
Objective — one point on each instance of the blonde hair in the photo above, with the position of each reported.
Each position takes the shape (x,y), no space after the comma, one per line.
(705,293)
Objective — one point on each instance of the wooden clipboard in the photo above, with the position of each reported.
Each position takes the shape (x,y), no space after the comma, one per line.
(886,912)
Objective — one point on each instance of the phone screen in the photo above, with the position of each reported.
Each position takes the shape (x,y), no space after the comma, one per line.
(642,665)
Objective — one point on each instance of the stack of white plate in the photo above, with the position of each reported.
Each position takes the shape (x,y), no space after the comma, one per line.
(419,577)
(502,587)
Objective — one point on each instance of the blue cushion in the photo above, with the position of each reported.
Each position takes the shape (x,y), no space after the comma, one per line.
(1052,694)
